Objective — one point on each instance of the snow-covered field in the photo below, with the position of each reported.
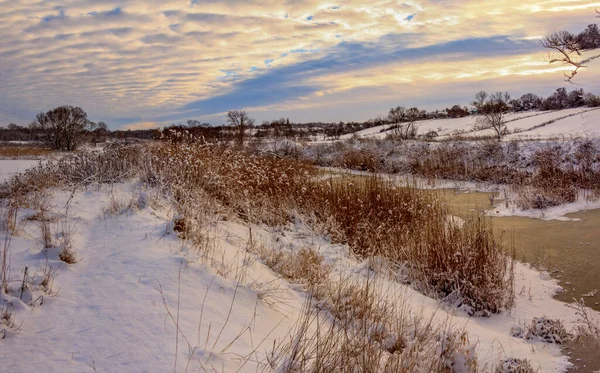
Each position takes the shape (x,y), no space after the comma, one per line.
(574,122)
(9,167)
(115,309)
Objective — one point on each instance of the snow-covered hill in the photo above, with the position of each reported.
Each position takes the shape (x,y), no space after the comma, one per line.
(546,124)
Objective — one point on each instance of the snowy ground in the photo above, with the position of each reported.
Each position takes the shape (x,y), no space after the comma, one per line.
(9,167)
(107,312)
(574,122)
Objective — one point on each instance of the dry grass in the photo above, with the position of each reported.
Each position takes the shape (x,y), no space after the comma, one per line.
(373,217)
(5,263)
(118,205)
(46,280)
(7,318)
(13,152)
(347,325)
(362,160)
(363,326)
(8,216)
(549,330)
(586,325)
(113,165)
(550,175)
(466,266)
(483,162)
(304,266)
(46,234)
(67,253)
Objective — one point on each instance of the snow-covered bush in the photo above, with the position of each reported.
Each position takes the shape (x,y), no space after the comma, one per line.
(513,365)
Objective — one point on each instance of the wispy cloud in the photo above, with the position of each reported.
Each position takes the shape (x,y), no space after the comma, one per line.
(135,61)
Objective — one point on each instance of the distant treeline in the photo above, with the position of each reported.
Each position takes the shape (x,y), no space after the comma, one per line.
(15,132)
(283,128)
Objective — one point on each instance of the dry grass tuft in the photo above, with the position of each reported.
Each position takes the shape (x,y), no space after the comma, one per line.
(46,283)
(5,263)
(182,227)
(8,319)
(120,205)
(347,326)
(67,254)
(513,365)
(304,266)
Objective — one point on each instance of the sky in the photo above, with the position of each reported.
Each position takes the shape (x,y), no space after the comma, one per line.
(146,63)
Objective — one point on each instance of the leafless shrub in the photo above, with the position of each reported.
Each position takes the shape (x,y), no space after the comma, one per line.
(551,185)
(550,176)
(586,326)
(484,162)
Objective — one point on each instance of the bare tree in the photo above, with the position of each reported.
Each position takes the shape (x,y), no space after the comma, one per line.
(99,132)
(63,128)
(570,47)
(491,110)
(403,121)
(240,120)
(397,114)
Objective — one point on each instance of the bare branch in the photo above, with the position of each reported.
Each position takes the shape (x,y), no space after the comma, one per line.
(570,46)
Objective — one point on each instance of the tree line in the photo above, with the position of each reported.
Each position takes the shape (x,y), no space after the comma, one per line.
(67,127)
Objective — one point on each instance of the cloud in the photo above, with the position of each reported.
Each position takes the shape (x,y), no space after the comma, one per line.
(141,126)
(141,61)
(294,81)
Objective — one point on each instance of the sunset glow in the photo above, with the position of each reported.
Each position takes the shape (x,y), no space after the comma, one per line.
(133,63)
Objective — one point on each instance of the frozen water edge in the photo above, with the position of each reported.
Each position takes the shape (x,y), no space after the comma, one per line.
(500,207)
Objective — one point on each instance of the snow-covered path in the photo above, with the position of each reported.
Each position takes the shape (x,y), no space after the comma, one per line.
(109,312)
